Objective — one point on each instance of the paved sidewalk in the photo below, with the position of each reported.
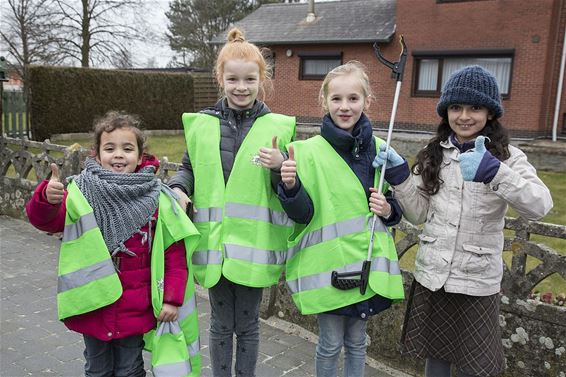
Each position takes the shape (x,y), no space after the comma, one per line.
(34,343)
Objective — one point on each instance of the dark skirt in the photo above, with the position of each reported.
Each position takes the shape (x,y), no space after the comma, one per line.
(463,330)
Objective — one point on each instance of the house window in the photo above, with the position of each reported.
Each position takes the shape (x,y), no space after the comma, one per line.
(432,71)
(316,66)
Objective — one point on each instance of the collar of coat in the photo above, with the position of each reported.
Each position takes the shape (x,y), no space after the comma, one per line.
(342,140)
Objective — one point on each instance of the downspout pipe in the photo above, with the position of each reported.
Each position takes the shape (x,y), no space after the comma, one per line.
(559,90)
(310,15)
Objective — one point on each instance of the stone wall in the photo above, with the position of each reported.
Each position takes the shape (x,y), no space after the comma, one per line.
(533,333)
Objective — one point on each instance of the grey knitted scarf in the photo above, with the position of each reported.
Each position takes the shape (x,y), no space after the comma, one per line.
(122,202)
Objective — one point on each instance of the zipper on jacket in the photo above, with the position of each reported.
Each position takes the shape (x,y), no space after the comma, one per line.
(238,126)
(356,149)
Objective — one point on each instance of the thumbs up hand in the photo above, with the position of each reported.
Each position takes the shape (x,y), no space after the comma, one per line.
(289,170)
(271,157)
(55,189)
(478,165)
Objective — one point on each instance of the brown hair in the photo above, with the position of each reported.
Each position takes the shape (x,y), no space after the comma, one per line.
(114,120)
(352,67)
(237,47)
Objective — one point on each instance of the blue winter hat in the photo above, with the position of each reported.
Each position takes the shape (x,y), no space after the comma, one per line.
(472,85)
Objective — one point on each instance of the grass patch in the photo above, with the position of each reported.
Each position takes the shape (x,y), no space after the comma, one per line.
(172,147)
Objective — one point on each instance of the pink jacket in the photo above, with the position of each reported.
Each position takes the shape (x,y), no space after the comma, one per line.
(132,313)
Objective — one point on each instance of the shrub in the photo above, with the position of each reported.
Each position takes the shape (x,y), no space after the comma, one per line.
(67,100)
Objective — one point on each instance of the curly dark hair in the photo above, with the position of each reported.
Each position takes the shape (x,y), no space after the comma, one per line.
(113,120)
(429,160)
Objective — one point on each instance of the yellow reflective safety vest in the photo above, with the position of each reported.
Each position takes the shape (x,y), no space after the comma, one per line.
(337,237)
(88,280)
(243,226)
(175,346)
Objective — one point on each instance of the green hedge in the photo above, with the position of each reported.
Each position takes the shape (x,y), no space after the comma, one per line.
(67,100)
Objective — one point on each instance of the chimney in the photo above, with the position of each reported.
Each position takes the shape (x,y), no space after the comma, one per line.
(310,15)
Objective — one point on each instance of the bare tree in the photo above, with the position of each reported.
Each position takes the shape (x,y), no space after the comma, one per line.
(193,23)
(27,30)
(95,32)
(122,59)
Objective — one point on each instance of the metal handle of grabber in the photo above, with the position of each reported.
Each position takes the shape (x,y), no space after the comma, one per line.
(397,68)
(339,280)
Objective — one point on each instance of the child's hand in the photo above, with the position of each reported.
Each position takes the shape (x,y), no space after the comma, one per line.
(393,158)
(55,189)
(289,170)
(271,157)
(183,199)
(168,313)
(378,204)
(478,165)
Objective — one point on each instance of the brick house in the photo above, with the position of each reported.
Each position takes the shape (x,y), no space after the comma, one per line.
(520,41)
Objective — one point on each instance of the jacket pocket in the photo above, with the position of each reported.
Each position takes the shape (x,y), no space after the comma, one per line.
(478,249)
(476,258)
(426,255)
(426,239)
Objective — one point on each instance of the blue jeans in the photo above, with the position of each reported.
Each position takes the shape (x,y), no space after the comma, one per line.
(336,331)
(234,309)
(114,358)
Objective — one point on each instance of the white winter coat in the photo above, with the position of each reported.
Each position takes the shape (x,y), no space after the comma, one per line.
(461,244)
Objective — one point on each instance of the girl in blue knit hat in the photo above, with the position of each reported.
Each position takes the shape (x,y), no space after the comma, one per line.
(460,187)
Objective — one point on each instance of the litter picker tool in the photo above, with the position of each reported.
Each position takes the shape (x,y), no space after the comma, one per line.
(349,280)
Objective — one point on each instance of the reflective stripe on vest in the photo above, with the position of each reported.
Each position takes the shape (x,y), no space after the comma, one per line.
(85,275)
(87,279)
(258,256)
(207,257)
(202,258)
(194,348)
(242,220)
(205,215)
(83,224)
(251,212)
(322,279)
(332,231)
(337,237)
(171,334)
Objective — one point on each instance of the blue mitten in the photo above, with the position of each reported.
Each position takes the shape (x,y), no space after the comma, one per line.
(393,158)
(396,169)
(478,165)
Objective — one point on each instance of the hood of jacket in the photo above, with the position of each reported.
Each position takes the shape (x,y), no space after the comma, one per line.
(148,160)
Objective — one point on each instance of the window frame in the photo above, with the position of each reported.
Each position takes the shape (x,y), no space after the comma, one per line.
(329,55)
(440,56)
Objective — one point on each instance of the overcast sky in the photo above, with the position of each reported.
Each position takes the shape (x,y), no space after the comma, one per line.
(161,52)
(142,52)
